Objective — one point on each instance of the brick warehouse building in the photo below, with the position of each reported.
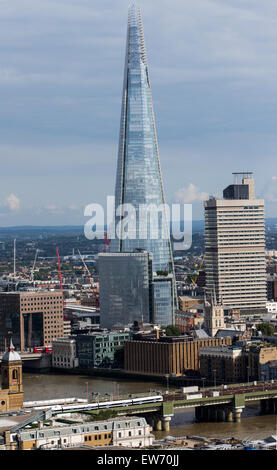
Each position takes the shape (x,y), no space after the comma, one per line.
(233,364)
(31,318)
(166,355)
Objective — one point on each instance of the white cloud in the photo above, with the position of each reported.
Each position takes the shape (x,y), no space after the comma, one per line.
(190,194)
(12,202)
(269,192)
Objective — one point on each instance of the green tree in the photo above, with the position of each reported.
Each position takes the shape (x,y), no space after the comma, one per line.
(266,328)
(162,273)
(172,330)
(119,357)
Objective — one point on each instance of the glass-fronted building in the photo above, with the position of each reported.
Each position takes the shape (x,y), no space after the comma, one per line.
(139,179)
(163,295)
(99,349)
(125,288)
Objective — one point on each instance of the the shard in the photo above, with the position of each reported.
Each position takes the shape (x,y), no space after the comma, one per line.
(138,179)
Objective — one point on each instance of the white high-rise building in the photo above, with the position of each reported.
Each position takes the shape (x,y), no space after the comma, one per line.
(235,247)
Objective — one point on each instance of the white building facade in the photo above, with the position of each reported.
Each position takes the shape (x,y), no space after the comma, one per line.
(64,353)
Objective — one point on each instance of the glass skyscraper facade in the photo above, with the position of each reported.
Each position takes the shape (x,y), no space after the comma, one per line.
(125,288)
(138,179)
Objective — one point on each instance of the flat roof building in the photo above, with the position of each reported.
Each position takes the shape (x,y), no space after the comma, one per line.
(175,356)
(235,247)
(125,288)
(31,318)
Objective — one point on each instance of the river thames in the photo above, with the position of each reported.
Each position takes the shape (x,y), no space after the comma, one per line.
(50,386)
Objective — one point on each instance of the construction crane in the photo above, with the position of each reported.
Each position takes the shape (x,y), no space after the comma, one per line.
(107,242)
(90,278)
(33,268)
(95,294)
(197,274)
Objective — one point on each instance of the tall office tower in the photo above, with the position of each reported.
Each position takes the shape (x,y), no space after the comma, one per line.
(126,288)
(139,180)
(235,247)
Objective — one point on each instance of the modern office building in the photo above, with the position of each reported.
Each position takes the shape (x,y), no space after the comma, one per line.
(235,247)
(99,349)
(125,288)
(272,287)
(139,179)
(31,318)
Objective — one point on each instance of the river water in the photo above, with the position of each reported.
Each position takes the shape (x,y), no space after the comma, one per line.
(50,386)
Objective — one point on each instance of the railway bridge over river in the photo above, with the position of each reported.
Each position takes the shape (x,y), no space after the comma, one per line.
(226,406)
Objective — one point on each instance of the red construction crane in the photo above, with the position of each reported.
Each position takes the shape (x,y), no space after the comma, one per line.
(107,242)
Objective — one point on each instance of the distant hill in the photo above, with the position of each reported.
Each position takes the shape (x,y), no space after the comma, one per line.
(33,231)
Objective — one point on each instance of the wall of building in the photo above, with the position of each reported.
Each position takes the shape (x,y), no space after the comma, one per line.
(160,357)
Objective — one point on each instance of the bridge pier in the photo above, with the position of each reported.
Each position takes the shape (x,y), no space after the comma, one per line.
(166,423)
(228,415)
(237,414)
(157,424)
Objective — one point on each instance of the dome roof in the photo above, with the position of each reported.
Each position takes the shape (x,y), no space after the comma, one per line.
(11,354)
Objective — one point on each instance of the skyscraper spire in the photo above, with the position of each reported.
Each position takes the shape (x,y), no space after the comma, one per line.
(139,179)
(151,294)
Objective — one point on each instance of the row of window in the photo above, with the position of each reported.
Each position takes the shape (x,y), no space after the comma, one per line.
(97,437)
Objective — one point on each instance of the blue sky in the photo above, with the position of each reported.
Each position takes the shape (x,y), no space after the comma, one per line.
(213,68)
